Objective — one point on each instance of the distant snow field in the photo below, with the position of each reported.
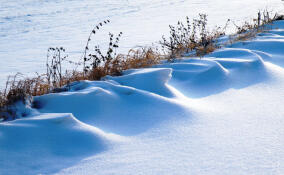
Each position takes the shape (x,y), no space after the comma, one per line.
(222,114)
(29,27)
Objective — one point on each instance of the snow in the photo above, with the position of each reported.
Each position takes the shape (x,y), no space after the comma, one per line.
(28,145)
(29,27)
(111,107)
(222,114)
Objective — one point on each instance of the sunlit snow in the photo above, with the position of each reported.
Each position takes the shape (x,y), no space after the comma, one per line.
(222,114)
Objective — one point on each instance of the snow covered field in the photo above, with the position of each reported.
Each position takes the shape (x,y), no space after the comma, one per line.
(219,115)
(29,27)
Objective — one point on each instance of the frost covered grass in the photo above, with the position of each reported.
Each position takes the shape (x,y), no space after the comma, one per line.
(190,39)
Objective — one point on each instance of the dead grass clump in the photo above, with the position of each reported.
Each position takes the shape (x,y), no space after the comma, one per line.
(17,90)
(54,74)
(86,56)
(136,58)
(278,17)
(249,30)
(140,58)
(98,63)
(191,37)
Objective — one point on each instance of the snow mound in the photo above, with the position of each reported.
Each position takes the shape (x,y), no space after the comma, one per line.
(218,71)
(273,34)
(152,80)
(113,107)
(194,76)
(239,59)
(270,43)
(266,45)
(45,138)
(245,66)
(278,25)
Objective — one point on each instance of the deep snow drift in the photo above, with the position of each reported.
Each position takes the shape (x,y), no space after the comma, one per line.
(222,114)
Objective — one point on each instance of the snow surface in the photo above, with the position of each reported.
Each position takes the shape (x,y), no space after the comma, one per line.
(222,114)
(29,27)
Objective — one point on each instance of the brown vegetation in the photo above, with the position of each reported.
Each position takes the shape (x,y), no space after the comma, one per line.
(249,30)
(191,37)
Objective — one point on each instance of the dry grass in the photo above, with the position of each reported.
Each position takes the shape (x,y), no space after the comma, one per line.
(249,30)
(136,58)
(191,36)
(19,89)
(140,58)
